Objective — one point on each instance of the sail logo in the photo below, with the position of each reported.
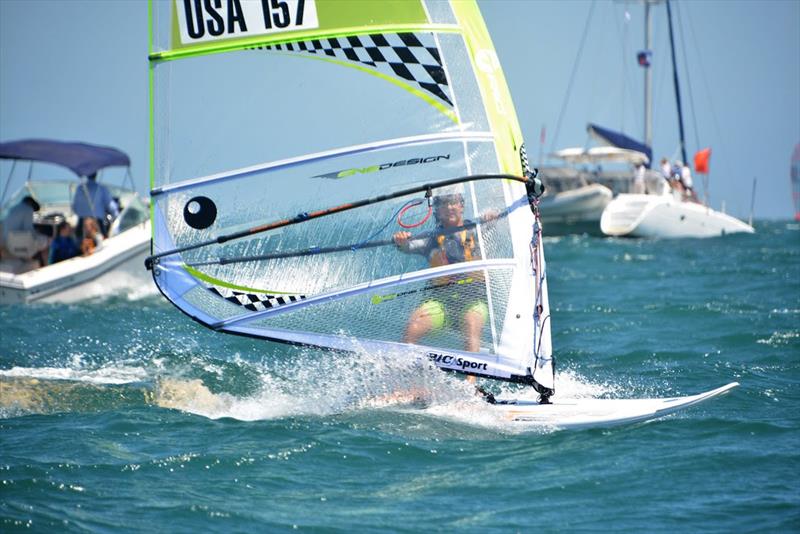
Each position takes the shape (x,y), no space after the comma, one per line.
(382,167)
(456,362)
(489,65)
(210,20)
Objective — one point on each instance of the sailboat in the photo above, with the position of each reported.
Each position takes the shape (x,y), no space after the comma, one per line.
(673,213)
(300,147)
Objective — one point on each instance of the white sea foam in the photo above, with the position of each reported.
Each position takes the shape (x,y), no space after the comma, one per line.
(112,374)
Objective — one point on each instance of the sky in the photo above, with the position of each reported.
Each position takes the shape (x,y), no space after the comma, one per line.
(77,70)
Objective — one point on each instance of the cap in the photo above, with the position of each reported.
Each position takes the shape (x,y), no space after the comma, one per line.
(447,195)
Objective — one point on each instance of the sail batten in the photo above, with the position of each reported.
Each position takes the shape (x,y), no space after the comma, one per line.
(307,158)
(368,199)
(374,287)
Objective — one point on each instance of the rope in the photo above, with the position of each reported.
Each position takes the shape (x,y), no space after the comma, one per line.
(407,207)
(396,215)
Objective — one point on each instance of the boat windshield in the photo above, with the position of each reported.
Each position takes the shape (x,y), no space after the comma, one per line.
(56,196)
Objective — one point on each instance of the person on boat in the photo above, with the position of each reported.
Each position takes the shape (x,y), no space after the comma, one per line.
(687,182)
(666,169)
(20,238)
(675,178)
(638,180)
(93,199)
(63,246)
(92,237)
(455,240)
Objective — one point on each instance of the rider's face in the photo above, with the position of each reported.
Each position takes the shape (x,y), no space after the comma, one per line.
(451,212)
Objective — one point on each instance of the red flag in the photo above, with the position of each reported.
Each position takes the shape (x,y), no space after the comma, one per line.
(701,161)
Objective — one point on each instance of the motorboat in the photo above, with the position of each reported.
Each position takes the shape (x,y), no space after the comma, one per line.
(116,264)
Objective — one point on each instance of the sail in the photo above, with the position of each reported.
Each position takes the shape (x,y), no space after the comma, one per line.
(291,140)
(619,140)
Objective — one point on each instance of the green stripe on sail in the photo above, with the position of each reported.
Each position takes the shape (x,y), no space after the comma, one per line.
(151,117)
(283,38)
(444,109)
(217,282)
(494,90)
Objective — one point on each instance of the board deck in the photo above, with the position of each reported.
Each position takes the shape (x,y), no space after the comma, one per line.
(586,413)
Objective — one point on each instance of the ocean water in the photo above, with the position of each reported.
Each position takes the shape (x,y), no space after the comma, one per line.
(120,413)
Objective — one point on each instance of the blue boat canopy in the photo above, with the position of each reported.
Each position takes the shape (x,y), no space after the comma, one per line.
(81,158)
(619,140)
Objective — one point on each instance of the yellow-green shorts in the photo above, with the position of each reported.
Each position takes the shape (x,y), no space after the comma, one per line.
(438,312)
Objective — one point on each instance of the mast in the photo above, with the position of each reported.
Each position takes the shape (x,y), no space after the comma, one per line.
(677,87)
(648,79)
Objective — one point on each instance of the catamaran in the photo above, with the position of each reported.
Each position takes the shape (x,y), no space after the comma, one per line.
(672,213)
(298,147)
(112,267)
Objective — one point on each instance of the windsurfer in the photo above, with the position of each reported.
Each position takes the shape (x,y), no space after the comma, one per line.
(448,245)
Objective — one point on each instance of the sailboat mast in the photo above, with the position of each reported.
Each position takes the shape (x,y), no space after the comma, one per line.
(677,86)
(648,79)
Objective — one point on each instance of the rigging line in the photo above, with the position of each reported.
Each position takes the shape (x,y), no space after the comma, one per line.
(365,244)
(8,182)
(688,79)
(623,34)
(676,84)
(630,77)
(307,216)
(627,85)
(703,76)
(572,76)
(661,38)
(386,224)
(409,205)
(541,336)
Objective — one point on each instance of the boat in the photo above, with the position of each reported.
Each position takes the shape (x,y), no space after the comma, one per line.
(363,188)
(674,213)
(115,265)
(580,189)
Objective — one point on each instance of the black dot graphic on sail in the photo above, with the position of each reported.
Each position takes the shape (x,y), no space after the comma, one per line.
(200,213)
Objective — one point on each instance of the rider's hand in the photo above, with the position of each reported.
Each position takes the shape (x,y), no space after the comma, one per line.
(401,238)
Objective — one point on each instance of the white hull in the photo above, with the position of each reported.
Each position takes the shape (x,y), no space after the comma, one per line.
(666,217)
(119,263)
(587,413)
(581,205)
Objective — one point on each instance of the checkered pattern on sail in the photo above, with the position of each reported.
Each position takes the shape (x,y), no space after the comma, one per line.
(254,301)
(523,157)
(411,56)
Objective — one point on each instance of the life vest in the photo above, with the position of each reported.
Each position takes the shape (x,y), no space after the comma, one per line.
(441,257)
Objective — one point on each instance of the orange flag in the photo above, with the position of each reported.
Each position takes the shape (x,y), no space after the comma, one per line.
(701,161)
